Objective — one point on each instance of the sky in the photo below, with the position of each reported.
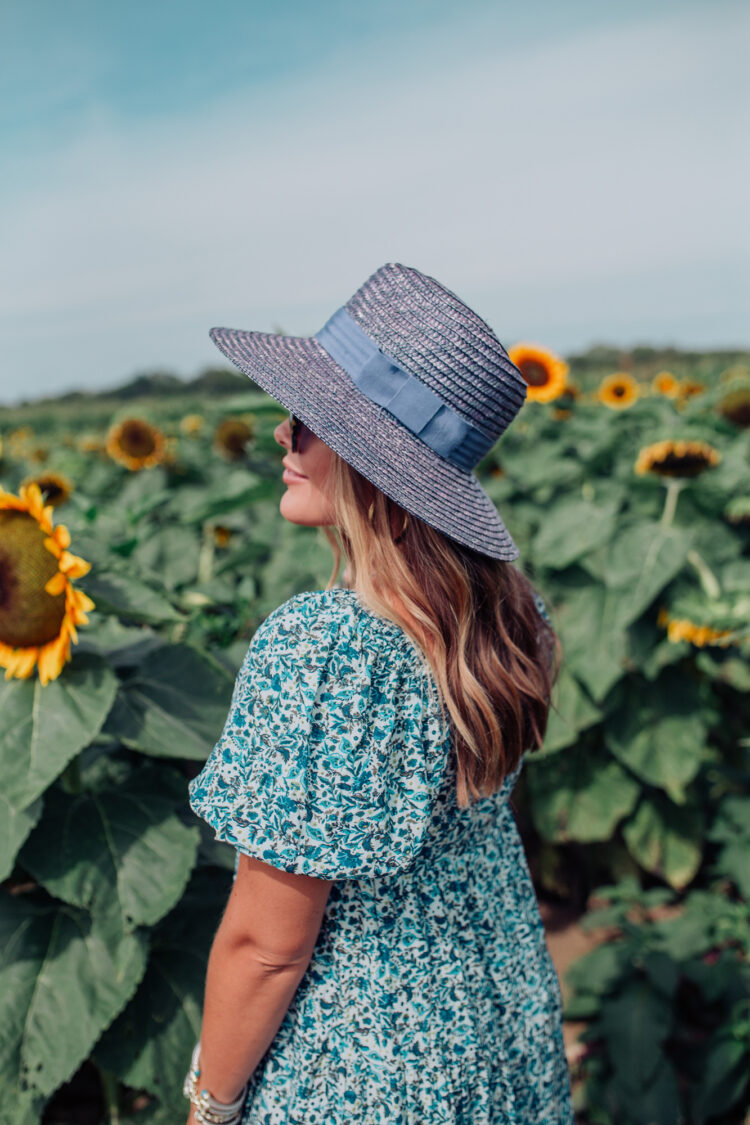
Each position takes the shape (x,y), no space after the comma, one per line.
(575,172)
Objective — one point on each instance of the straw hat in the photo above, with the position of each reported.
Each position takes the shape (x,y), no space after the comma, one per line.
(410,387)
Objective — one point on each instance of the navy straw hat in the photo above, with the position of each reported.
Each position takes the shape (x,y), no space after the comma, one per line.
(410,387)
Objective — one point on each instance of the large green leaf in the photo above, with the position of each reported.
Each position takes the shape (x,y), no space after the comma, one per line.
(595,647)
(175,704)
(666,839)
(44,727)
(129,598)
(572,711)
(63,979)
(579,795)
(15,826)
(635,1024)
(149,1045)
(572,529)
(121,852)
(642,558)
(232,491)
(658,732)
(19,1106)
(170,552)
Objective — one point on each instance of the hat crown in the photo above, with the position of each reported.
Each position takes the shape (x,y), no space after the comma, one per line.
(432,334)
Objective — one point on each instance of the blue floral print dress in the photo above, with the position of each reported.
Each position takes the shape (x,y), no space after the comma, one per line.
(430,996)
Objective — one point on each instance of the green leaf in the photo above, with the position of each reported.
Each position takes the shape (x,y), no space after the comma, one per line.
(658,732)
(597,972)
(63,979)
(634,1026)
(725,1076)
(641,559)
(120,852)
(170,552)
(572,711)
(44,727)
(15,826)
(595,647)
(666,839)
(149,1046)
(572,529)
(578,795)
(234,490)
(175,704)
(17,1106)
(129,598)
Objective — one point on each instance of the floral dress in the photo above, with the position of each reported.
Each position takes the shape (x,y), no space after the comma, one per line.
(431,996)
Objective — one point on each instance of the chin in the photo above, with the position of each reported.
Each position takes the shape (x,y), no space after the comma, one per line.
(298,506)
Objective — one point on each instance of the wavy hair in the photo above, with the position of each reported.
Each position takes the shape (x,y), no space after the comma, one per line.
(494,658)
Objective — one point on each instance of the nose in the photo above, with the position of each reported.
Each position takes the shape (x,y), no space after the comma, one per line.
(283,434)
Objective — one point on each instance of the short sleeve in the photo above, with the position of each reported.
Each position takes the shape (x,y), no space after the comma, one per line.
(334,747)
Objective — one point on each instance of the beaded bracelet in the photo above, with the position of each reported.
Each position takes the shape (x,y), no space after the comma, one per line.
(207,1110)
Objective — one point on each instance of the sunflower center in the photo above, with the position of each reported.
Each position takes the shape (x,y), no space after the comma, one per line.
(535,374)
(618,391)
(136,439)
(685,465)
(29,616)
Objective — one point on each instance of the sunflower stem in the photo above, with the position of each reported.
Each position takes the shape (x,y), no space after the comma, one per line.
(111,1090)
(206,556)
(709,581)
(670,503)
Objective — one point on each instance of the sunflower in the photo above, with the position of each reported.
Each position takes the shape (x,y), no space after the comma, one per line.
(687,388)
(222,535)
(665,383)
(54,487)
(560,414)
(618,391)
(677,458)
(231,437)
(136,444)
(39,606)
(738,510)
(735,407)
(545,373)
(683,629)
(192,424)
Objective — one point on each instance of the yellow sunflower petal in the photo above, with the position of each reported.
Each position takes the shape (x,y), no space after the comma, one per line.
(19,664)
(52,658)
(73,566)
(56,584)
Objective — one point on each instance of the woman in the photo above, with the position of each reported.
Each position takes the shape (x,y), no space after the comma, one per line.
(381,958)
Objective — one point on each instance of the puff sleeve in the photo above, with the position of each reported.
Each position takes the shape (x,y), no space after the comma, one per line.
(334,747)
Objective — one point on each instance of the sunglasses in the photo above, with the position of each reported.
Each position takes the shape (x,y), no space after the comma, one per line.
(296,427)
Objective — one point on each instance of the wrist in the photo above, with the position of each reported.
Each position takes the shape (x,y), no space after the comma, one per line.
(207,1108)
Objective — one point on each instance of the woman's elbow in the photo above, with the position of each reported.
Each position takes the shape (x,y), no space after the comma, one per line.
(270,953)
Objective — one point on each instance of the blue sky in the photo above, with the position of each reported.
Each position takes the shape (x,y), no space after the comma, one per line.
(575,172)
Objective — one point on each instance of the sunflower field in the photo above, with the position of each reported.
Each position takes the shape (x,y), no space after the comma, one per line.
(141,546)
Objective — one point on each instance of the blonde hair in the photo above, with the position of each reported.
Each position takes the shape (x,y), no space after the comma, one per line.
(494,658)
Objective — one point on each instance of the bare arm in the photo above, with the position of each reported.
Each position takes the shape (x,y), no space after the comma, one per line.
(259,955)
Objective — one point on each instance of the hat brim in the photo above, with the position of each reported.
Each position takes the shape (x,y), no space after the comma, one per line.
(300,374)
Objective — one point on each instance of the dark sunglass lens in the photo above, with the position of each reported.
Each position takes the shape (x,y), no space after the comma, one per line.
(296,427)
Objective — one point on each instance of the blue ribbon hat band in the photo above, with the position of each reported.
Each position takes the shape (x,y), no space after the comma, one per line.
(384,382)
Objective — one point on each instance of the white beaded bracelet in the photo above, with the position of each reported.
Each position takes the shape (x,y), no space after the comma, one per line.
(207,1110)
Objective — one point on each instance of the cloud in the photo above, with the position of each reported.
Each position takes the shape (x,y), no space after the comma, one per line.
(513,176)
